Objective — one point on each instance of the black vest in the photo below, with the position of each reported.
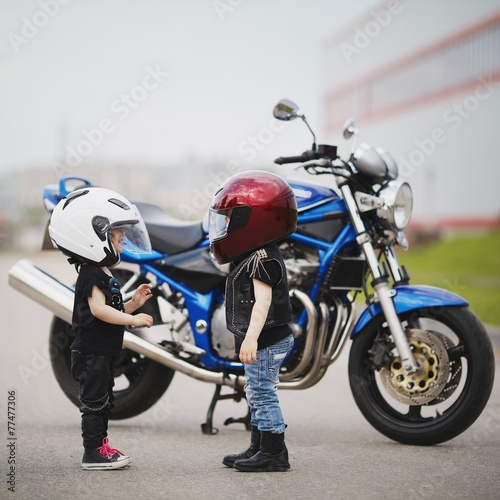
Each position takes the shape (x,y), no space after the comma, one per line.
(240,296)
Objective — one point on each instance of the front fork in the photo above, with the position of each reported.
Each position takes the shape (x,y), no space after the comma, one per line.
(381,283)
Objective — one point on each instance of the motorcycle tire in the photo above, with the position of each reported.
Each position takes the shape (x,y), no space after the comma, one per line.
(144,380)
(139,381)
(401,412)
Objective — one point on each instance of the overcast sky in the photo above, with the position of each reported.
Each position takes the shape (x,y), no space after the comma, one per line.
(158,81)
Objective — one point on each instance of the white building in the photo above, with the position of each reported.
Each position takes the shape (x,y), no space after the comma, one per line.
(422,80)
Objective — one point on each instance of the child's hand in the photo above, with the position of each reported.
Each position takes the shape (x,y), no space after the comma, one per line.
(142,320)
(142,294)
(248,351)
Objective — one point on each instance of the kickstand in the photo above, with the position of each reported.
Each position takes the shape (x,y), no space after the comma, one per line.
(237,395)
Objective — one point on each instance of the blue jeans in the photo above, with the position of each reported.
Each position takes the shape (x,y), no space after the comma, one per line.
(262,384)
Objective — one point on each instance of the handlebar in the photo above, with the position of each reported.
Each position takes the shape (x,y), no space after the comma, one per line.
(323,151)
(292,159)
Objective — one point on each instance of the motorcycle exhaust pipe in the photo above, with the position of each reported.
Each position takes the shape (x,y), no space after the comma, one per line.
(43,288)
(310,340)
(58,298)
(160,355)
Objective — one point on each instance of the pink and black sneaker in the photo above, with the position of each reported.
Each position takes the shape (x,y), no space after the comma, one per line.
(104,458)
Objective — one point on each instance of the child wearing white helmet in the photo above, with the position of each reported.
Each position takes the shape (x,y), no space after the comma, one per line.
(92,226)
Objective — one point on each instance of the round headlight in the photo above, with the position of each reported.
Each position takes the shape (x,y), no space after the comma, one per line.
(398,204)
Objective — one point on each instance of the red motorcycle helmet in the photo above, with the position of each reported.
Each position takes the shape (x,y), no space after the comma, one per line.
(250,210)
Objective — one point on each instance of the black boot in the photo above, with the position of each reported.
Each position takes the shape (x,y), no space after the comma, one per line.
(229,460)
(272,456)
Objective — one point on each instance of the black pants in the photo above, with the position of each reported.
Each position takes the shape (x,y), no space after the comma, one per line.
(95,375)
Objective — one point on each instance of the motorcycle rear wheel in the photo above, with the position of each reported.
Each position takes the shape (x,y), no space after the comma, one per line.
(468,365)
(139,382)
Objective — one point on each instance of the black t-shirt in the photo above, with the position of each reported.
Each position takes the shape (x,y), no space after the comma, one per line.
(92,335)
(270,274)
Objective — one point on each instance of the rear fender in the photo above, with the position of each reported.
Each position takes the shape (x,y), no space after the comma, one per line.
(409,298)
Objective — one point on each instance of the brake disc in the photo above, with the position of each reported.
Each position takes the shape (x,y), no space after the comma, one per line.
(455,373)
(423,387)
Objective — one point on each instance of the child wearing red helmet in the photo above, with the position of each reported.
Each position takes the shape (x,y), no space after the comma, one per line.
(250,213)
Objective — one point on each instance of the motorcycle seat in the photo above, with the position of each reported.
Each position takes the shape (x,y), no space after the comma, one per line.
(168,234)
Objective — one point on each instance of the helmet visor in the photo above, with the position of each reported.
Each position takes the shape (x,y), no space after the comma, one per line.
(133,236)
(218,223)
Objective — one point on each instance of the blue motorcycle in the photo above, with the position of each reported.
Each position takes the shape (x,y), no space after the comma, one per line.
(421,365)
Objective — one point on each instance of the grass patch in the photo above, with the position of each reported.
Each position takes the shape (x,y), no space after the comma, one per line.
(466,265)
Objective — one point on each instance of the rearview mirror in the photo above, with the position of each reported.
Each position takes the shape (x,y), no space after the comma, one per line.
(286,110)
(349,128)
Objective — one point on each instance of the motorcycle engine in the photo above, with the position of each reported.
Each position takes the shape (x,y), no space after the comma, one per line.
(222,338)
(177,320)
(302,263)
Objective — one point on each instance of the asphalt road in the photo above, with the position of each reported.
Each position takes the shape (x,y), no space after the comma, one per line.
(334,452)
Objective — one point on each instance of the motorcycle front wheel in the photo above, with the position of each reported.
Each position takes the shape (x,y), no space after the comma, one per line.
(445,397)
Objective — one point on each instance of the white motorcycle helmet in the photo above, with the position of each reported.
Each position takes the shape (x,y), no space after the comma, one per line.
(81,224)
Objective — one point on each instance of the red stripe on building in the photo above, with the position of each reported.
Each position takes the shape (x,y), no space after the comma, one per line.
(363,87)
